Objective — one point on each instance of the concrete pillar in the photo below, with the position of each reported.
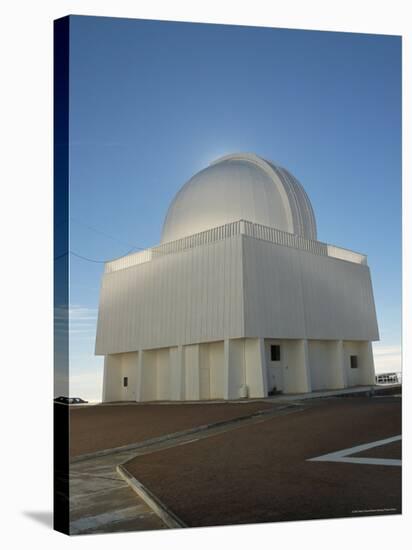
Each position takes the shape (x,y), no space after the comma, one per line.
(339,376)
(255,367)
(177,378)
(366,364)
(297,377)
(191,361)
(226,368)
(306,385)
(105,373)
(139,368)
(233,367)
(163,375)
(147,370)
(217,370)
(112,378)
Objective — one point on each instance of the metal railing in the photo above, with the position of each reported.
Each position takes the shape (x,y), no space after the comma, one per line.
(241,227)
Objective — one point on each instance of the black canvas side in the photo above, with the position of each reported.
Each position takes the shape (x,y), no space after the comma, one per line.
(61,272)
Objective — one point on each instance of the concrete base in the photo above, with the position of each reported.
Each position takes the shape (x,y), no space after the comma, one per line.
(235,368)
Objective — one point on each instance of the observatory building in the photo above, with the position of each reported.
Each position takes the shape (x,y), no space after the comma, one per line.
(239,299)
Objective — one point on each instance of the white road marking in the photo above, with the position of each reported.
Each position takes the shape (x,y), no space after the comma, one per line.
(343,455)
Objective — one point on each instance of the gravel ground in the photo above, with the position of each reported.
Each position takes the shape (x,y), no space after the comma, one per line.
(260,473)
(392,450)
(106,426)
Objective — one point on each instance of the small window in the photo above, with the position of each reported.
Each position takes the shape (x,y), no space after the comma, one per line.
(275,353)
(353,361)
(125,382)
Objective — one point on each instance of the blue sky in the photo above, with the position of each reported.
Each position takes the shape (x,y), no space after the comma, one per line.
(153,102)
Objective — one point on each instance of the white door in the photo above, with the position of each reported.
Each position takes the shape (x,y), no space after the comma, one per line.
(275,378)
(275,361)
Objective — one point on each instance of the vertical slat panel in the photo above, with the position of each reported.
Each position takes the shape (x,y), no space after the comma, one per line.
(228,231)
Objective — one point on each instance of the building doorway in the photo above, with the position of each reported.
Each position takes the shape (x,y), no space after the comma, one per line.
(275,380)
(274,361)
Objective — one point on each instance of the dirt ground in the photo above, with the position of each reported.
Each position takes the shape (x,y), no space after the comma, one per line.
(260,473)
(107,426)
(392,450)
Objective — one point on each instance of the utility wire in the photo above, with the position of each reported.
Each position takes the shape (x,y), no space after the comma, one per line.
(98,261)
(61,256)
(90,227)
(90,259)
(96,230)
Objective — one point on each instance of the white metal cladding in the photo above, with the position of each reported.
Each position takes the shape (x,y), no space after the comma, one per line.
(283,238)
(230,230)
(194,295)
(199,239)
(239,286)
(345,254)
(293,293)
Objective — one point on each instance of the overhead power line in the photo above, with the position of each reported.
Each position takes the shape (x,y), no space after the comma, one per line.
(91,259)
(100,232)
(61,256)
(88,259)
(96,230)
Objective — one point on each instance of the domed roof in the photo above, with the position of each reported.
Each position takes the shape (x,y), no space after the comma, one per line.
(236,187)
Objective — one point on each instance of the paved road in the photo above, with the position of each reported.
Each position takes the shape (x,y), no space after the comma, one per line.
(102,502)
(261,472)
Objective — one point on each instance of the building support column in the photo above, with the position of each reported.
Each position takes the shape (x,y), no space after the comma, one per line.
(105,375)
(233,368)
(177,379)
(305,368)
(366,364)
(297,367)
(139,377)
(226,368)
(227,353)
(192,365)
(112,378)
(340,376)
(255,367)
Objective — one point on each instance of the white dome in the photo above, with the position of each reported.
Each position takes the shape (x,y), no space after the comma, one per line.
(240,187)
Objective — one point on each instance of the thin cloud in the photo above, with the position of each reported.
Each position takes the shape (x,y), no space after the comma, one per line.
(75,313)
(77,319)
(88,384)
